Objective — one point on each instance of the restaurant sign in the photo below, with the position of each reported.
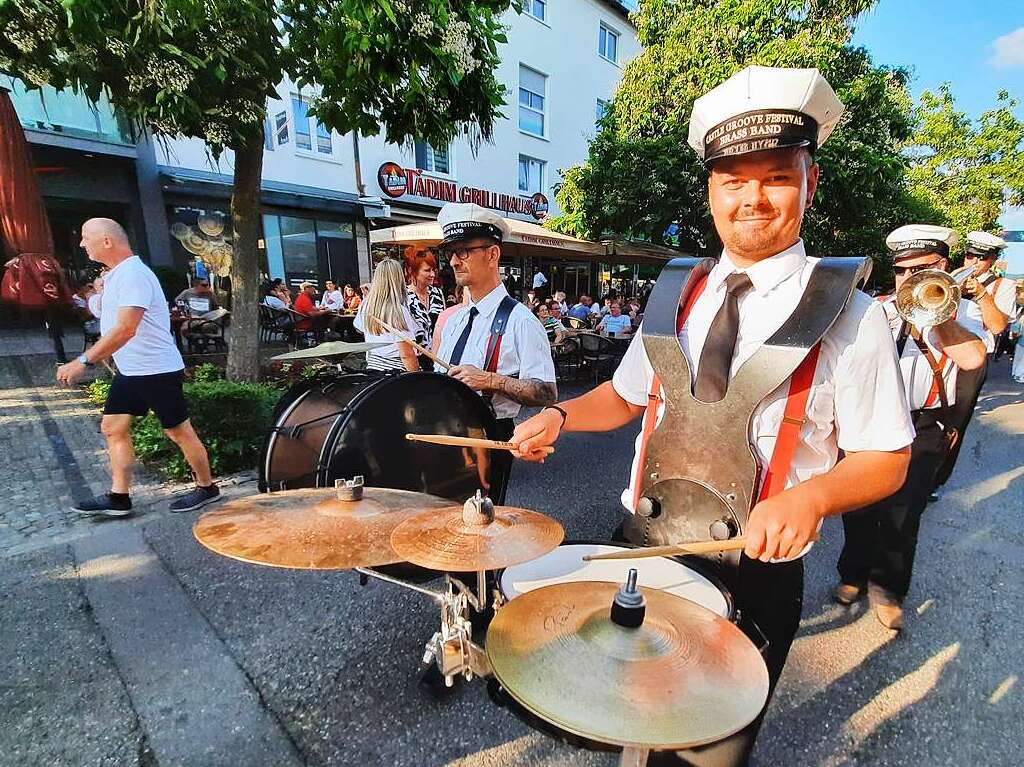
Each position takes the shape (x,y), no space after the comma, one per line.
(396,181)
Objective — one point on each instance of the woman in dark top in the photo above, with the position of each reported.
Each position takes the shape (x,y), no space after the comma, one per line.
(426,300)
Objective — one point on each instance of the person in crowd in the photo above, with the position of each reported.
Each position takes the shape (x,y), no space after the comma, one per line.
(554,327)
(351,298)
(460,299)
(581,310)
(135,324)
(272,298)
(531,300)
(199,299)
(539,283)
(282,319)
(305,304)
(633,310)
(560,300)
(387,301)
(494,344)
(855,406)
(364,290)
(332,299)
(606,306)
(95,300)
(425,299)
(615,323)
(878,556)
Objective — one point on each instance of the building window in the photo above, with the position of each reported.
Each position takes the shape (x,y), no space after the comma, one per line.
(538,9)
(268,134)
(281,127)
(531,174)
(307,126)
(608,43)
(303,249)
(602,110)
(532,90)
(432,160)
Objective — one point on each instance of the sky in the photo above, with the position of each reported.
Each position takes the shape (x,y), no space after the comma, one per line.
(975,45)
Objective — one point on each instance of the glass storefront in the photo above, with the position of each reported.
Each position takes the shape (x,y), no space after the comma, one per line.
(314,250)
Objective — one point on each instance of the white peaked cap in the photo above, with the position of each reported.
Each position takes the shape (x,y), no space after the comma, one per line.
(762,108)
(918,239)
(983,243)
(466,220)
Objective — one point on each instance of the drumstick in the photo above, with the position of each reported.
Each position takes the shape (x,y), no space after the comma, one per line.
(697,547)
(423,350)
(493,444)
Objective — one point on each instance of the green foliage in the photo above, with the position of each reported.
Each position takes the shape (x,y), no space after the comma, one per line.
(414,68)
(177,67)
(965,171)
(231,418)
(641,175)
(206,373)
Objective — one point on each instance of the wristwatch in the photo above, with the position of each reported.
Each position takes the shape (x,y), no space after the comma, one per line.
(84,360)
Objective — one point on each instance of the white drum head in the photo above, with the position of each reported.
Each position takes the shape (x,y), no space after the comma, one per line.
(565,564)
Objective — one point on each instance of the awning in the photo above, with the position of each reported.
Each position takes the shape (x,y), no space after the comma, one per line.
(532,241)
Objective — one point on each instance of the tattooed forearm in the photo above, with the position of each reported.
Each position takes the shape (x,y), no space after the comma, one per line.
(528,391)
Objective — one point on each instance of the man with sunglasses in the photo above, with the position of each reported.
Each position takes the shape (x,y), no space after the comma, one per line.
(878,555)
(494,343)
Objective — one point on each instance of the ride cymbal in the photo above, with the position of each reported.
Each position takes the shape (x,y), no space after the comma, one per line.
(311,529)
(329,349)
(444,540)
(684,677)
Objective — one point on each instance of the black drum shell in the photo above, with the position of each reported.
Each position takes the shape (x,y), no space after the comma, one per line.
(355,424)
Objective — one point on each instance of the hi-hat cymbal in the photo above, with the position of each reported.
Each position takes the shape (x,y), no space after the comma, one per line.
(685,677)
(329,349)
(311,529)
(442,540)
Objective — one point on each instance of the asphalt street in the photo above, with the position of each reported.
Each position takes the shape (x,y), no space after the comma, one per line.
(323,671)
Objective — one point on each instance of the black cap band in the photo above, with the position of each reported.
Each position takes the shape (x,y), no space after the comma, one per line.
(467,230)
(983,251)
(760,130)
(920,247)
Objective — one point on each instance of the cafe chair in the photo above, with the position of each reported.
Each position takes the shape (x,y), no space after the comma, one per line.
(597,352)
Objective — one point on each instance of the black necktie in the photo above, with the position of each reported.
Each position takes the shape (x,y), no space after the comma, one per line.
(460,345)
(716,356)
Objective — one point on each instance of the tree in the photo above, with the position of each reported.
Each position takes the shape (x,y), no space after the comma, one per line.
(641,176)
(419,68)
(966,171)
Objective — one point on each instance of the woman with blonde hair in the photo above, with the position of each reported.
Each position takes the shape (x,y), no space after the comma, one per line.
(386,301)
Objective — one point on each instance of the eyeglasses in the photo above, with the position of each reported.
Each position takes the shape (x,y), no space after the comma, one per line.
(463,253)
(914,269)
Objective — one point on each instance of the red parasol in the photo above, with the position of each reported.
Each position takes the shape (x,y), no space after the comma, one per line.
(33,277)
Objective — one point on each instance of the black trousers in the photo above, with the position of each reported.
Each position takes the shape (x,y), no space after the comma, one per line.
(881,539)
(769,596)
(501,463)
(55,329)
(968,387)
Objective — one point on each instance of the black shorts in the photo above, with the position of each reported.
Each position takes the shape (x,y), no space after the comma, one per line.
(137,395)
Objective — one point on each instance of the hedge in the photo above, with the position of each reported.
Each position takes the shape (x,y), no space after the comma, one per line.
(231,418)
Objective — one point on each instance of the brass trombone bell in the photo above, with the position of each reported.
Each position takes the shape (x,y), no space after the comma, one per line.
(928,298)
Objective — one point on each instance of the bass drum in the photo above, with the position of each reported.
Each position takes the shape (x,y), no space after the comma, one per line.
(356,424)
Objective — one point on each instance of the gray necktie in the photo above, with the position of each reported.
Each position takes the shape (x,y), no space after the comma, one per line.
(716,356)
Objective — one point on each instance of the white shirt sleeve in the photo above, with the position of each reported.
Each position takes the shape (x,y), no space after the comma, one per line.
(871,410)
(1006,296)
(533,350)
(634,375)
(135,291)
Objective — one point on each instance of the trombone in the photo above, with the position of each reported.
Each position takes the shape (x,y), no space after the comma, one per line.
(928,298)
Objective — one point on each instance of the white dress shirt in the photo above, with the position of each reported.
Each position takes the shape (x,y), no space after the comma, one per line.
(917,373)
(333,300)
(857,401)
(525,351)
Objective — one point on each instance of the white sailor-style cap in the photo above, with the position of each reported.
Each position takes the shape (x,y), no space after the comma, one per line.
(984,245)
(465,220)
(918,239)
(763,108)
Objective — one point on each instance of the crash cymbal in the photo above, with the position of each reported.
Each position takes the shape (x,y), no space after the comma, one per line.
(311,529)
(329,349)
(685,677)
(443,540)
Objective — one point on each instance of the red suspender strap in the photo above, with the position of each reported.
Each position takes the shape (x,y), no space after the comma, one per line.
(491,363)
(654,396)
(793,419)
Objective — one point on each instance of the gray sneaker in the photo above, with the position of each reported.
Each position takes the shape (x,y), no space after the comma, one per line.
(103,506)
(196,499)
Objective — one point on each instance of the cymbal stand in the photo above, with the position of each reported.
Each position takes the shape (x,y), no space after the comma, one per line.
(634,756)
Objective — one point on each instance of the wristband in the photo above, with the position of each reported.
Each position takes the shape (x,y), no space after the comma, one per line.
(565,415)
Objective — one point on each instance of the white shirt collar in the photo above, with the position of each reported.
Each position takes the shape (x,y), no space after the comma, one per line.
(490,302)
(765,274)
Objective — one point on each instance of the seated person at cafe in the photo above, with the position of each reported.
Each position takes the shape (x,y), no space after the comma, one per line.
(332,299)
(583,309)
(351,298)
(552,325)
(199,299)
(615,322)
(305,304)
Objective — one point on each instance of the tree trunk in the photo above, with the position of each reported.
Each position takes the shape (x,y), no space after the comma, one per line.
(243,352)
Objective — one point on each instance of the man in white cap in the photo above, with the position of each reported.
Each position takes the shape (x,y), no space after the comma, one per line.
(495,344)
(878,556)
(757,133)
(993,296)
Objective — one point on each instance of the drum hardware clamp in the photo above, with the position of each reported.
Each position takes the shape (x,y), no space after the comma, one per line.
(349,489)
